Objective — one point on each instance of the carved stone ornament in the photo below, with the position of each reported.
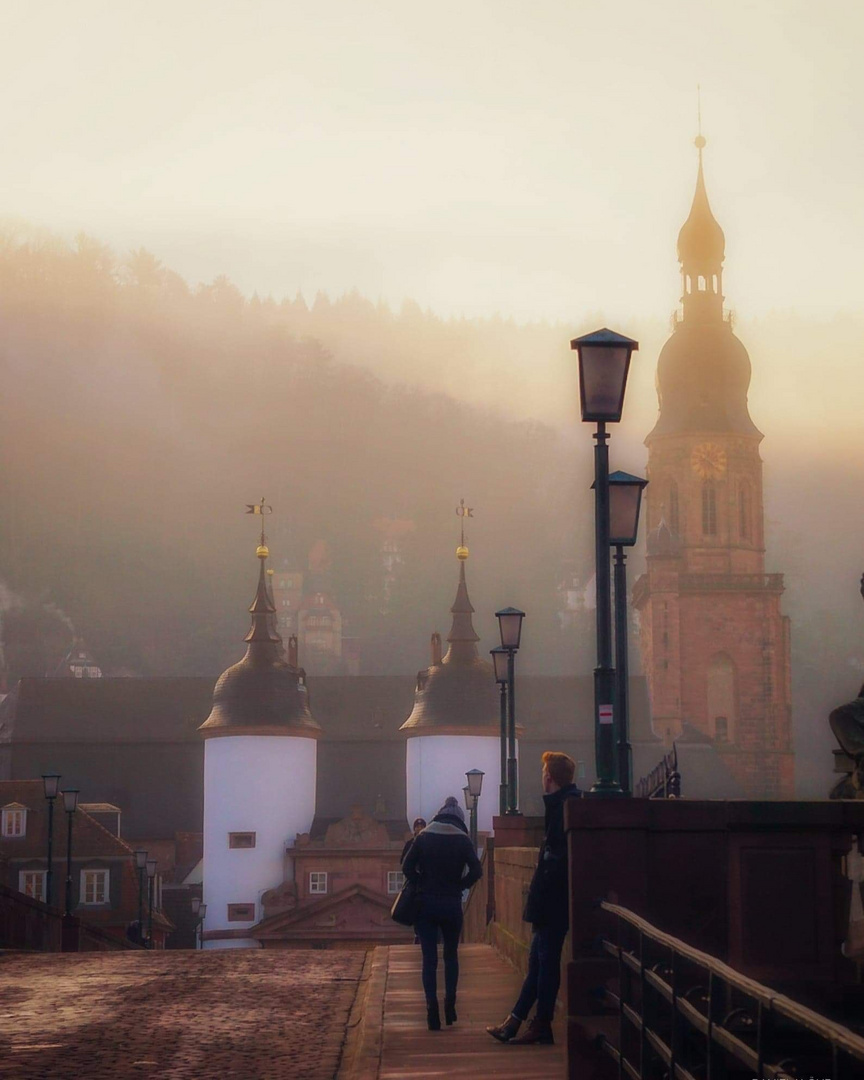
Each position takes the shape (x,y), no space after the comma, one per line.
(280,899)
(357,830)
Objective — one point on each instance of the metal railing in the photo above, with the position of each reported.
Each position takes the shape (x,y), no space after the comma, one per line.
(664,780)
(685,1015)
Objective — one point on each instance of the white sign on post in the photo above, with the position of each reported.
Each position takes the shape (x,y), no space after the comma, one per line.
(605,714)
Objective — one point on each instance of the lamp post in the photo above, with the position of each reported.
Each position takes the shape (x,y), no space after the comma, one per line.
(202,914)
(196,909)
(499,663)
(625,502)
(510,627)
(141,865)
(51,782)
(151,876)
(472,797)
(70,805)
(604,361)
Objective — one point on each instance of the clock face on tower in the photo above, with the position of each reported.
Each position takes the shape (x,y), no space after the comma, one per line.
(708,460)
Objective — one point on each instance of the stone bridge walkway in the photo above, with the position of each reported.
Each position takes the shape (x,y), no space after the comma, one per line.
(389,1039)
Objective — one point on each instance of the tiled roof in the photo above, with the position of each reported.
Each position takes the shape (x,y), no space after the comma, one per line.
(89,838)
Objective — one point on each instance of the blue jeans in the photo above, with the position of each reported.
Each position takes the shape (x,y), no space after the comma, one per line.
(442,913)
(544,974)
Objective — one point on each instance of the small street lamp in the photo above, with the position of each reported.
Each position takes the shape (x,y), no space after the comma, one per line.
(510,628)
(51,782)
(499,663)
(70,805)
(141,865)
(604,362)
(472,792)
(202,914)
(151,876)
(625,502)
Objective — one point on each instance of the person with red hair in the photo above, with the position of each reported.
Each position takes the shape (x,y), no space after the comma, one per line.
(547,911)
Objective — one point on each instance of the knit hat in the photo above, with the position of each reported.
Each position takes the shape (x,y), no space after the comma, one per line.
(451,808)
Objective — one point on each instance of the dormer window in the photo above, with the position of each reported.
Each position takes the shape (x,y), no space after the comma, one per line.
(13,820)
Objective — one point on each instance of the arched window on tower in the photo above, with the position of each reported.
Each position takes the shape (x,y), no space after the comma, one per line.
(674,517)
(745,520)
(716,284)
(701,283)
(709,509)
(722,698)
(688,284)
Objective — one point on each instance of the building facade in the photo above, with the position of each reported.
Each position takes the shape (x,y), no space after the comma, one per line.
(715,644)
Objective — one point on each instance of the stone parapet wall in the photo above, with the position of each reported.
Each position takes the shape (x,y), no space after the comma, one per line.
(26,923)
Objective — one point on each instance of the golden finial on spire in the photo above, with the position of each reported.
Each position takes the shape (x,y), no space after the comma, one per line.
(699,141)
(262,509)
(463,511)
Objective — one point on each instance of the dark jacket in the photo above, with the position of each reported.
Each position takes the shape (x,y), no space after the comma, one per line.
(442,860)
(546,905)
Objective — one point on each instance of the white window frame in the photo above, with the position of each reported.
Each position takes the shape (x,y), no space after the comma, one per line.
(106,888)
(14,824)
(38,894)
(319,881)
(395,881)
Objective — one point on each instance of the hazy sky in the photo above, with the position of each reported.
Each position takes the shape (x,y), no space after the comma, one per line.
(533,158)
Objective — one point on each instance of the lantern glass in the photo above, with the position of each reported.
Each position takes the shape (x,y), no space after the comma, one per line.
(52,784)
(141,859)
(202,911)
(475,781)
(510,625)
(499,661)
(604,361)
(466,792)
(196,904)
(151,868)
(70,800)
(625,500)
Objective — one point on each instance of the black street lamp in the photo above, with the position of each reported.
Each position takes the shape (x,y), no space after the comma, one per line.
(202,914)
(472,797)
(510,627)
(625,501)
(141,864)
(499,662)
(70,805)
(604,361)
(51,782)
(196,909)
(151,875)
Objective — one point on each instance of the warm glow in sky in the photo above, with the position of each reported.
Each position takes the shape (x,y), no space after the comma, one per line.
(479,155)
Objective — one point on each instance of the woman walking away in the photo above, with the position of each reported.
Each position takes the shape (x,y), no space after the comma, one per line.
(441,862)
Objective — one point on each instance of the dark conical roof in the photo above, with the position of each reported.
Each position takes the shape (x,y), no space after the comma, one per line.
(262,694)
(701,242)
(458,696)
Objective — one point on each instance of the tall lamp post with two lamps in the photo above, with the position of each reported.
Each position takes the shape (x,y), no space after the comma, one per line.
(70,805)
(604,362)
(499,663)
(472,791)
(510,627)
(625,501)
(51,783)
(141,866)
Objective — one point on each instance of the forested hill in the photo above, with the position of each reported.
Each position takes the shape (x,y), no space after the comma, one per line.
(139,415)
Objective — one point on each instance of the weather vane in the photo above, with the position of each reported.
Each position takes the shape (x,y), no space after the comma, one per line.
(261,508)
(699,141)
(464,512)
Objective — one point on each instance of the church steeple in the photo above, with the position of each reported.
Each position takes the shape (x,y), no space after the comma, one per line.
(462,637)
(701,250)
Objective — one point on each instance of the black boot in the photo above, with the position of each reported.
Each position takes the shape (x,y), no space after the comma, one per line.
(450,1010)
(433,1017)
(506,1031)
(539,1032)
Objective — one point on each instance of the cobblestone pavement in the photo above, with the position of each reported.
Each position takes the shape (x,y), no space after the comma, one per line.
(232,1015)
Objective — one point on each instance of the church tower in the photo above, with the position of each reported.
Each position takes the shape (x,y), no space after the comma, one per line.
(454,725)
(260,766)
(715,645)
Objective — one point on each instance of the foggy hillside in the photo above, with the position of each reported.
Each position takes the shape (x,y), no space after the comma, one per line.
(140,414)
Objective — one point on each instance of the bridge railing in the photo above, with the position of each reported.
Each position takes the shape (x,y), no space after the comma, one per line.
(686,1015)
(664,780)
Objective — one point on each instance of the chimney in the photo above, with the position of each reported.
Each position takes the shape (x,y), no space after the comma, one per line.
(436,649)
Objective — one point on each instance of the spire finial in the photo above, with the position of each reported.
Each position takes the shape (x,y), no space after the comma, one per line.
(262,509)
(463,511)
(699,141)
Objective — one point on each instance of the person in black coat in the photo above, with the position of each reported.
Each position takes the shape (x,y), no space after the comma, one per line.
(547,910)
(417,828)
(441,862)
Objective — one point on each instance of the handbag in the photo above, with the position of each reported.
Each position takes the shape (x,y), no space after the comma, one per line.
(406,906)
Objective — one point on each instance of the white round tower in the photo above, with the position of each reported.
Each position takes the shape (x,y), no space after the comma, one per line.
(455,723)
(260,767)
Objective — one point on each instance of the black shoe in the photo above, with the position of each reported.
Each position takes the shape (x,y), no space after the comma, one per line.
(450,1011)
(433,1017)
(506,1031)
(539,1033)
